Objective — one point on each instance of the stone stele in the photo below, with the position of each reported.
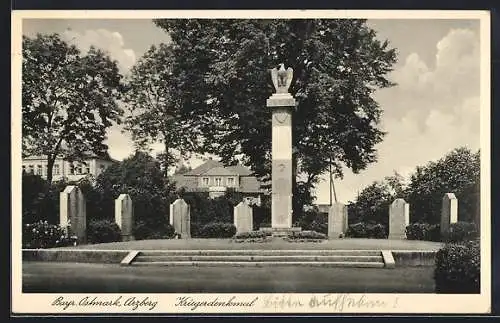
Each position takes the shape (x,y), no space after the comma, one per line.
(243,218)
(337,220)
(449,214)
(124,216)
(180,218)
(399,218)
(73,212)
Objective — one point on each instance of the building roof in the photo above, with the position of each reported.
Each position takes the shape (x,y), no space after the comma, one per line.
(189,180)
(220,171)
(211,164)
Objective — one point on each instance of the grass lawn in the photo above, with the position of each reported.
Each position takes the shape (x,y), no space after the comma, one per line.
(50,277)
(278,244)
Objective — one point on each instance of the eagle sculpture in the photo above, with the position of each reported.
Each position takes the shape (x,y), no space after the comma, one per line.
(282,78)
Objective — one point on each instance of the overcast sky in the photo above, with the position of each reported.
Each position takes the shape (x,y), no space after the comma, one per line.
(433,109)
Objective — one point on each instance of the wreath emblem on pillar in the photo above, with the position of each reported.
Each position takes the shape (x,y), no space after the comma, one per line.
(281,117)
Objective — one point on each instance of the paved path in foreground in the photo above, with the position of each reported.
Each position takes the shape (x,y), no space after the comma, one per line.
(207,244)
(97,278)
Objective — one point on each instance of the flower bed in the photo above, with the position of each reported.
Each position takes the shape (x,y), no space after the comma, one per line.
(252,236)
(306,236)
(41,235)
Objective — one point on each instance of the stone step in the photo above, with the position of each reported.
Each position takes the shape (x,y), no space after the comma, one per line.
(260,258)
(353,264)
(290,252)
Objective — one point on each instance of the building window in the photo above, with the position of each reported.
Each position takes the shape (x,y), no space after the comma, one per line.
(39,169)
(230,181)
(72,169)
(31,169)
(218,181)
(204,181)
(79,169)
(102,168)
(87,170)
(56,169)
(24,168)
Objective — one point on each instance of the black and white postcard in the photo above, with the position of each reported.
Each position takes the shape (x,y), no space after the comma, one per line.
(293,161)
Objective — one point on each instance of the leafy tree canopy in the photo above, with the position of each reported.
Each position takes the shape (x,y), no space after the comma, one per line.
(68,99)
(372,203)
(141,177)
(154,106)
(221,72)
(458,172)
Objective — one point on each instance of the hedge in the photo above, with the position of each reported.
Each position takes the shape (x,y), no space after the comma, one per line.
(367,230)
(217,230)
(102,231)
(423,231)
(458,268)
(462,231)
(148,231)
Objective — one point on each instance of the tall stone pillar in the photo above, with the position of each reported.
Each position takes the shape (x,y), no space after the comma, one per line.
(282,104)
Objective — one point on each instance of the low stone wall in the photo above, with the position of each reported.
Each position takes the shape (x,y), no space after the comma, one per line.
(413,258)
(87,256)
(402,258)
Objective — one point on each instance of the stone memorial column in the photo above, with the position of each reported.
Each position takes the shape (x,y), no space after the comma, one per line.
(399,219)
(449,214)
(243,218)
(124,216)
(282,104)
(337,221)
(73,212)
(180,218)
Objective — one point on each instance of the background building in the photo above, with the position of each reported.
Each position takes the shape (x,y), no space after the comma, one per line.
(93,165)
(215,178)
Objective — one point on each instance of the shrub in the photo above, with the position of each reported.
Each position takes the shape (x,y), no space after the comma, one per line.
(217,230)
(195,229)
(40,199)
(42,235)
(423,231)
(367,230)
(417,231)
(205,210)
(434,233)
(102,231)
(462,231)
(313,220)
(148,231)
(261,216)
(318,226)
(458,268)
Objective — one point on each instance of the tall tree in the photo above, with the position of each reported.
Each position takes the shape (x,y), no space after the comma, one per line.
(155,113)
(222,72)
(372,203)
(457,172)
(68,99)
